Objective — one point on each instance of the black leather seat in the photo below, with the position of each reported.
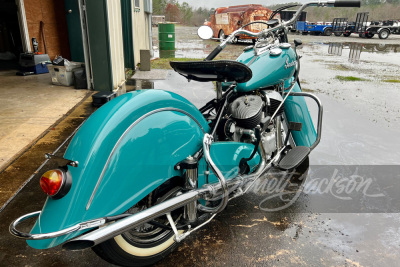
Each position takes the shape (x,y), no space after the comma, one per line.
(219,70)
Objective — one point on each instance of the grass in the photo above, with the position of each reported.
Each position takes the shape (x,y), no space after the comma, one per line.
(349,78)
(339,67)
(391,81)
(307,90)
(163,63)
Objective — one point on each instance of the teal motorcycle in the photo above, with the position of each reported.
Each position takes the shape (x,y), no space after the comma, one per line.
(148,168)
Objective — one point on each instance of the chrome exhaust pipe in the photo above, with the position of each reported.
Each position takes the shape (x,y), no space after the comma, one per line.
(208,191)
(102,234)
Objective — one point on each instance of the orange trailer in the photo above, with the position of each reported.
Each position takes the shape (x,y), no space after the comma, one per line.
(226,20)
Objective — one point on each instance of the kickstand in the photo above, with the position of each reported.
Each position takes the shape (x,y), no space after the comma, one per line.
(173,226)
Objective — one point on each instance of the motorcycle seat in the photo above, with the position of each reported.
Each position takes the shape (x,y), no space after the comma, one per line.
(219,70)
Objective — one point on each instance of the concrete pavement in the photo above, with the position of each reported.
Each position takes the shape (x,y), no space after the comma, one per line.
(29,106)
(32,108)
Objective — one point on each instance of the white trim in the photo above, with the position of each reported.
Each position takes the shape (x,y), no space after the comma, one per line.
(23,26)
(144,252)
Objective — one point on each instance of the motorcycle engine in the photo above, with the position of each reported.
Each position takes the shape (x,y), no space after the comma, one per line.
(246,112)
(274,99)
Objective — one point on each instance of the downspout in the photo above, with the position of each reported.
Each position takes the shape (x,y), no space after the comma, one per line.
(149,12)
(150,35)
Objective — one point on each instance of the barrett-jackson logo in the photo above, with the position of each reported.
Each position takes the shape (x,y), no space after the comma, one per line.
(291,64)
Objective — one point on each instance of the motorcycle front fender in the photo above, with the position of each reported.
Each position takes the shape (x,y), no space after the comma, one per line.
(296,110)
(125,150)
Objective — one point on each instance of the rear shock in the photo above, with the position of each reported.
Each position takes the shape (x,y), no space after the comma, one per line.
(190,164)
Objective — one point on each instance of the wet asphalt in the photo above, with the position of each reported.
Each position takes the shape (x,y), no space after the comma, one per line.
(319,228)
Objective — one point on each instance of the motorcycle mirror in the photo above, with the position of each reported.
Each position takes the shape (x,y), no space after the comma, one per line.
(297,42)
(205,32)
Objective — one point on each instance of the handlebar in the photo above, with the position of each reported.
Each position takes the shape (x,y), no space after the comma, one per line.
(214,53)
(347,3)
(329,3)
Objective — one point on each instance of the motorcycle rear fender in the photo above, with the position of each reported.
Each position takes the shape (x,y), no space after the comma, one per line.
(125,150)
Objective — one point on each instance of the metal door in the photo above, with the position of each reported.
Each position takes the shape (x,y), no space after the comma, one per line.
(74,30)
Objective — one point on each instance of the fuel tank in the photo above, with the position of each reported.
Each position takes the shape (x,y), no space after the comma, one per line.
(272,67)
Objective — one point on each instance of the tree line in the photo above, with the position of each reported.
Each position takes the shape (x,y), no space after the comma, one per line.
(180,12)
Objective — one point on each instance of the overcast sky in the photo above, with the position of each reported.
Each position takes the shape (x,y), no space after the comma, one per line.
(221,3)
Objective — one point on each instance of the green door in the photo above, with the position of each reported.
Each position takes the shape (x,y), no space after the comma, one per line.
(126,12)
(74,30)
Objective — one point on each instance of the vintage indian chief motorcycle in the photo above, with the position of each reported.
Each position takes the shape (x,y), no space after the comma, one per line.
(148,168)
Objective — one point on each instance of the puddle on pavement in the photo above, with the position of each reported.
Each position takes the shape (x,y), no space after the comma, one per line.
(187,49)
(356,52)
(199,93)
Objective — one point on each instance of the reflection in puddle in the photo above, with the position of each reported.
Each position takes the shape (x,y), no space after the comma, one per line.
(140,84)
(355,49)
(167,53)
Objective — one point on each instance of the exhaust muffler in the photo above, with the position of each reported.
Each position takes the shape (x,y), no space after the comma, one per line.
(104,233)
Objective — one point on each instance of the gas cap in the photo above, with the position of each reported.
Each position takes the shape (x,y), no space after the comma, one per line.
(275,51)
(285,45)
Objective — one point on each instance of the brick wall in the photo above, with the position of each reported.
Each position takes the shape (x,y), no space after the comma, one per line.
(52,13)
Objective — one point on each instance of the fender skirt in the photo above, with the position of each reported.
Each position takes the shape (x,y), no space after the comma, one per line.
(125,150)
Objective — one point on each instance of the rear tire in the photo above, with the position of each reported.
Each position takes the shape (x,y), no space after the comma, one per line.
(369,35)
(346,34)
(146,244)
(383,34)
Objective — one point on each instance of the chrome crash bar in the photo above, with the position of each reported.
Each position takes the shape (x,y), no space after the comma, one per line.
(76,227)
(207,141)
(320,113)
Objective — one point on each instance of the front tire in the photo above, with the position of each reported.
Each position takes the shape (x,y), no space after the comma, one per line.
(146,244)
(221,35)
(328,32)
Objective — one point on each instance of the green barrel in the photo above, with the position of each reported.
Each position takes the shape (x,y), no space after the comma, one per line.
(166,36)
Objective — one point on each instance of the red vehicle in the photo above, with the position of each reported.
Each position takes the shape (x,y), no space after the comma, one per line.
(226,20)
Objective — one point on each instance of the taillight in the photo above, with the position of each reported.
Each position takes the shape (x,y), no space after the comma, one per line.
(56,183)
